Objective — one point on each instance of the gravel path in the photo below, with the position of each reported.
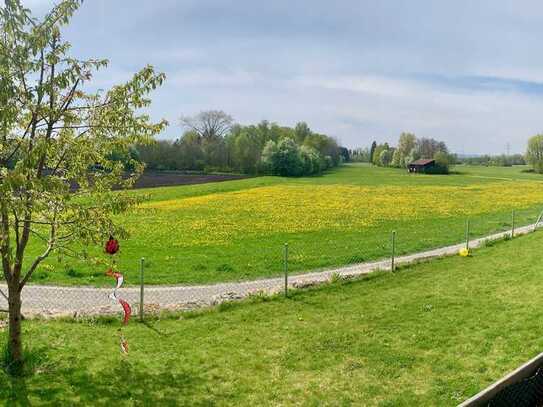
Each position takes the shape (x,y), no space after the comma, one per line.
(51,300)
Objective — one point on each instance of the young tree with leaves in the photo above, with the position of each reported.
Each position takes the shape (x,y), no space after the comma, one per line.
(406,144)
(54,134)
(534,153)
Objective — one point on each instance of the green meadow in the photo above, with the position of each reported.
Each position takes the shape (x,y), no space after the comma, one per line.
(236,230)
(431,334)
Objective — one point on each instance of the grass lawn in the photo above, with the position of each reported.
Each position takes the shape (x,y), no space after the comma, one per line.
(431,334)
(236,230)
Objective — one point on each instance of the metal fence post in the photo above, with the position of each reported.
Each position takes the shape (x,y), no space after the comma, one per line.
(513,224)
(538,220)
(285,265)
(467,234)
(393,252)
(142,285)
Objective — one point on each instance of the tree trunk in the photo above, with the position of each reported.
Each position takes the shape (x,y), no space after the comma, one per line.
(15,346)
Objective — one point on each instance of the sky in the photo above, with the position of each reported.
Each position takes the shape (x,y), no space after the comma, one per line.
(466,72)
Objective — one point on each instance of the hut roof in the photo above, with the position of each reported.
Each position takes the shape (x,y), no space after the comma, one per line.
(423,162)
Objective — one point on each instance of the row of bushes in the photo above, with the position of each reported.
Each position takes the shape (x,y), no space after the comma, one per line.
(265,148)
(286,158)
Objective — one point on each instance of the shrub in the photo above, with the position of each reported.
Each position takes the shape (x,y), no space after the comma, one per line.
(287,159)
(283,158)
(443,161)
(310,160)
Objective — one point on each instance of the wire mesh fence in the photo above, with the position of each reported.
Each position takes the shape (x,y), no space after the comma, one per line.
(160,282)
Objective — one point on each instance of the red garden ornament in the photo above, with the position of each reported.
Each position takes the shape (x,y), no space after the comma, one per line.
(126,307)
(112,246)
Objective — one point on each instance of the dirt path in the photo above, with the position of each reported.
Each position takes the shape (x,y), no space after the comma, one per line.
(51,300)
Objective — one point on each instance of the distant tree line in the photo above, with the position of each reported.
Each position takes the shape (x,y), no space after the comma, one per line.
(213,143)
(361,155)
(533,155)
(409,149)
(502,160)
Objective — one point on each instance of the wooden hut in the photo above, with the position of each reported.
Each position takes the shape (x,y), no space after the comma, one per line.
(421,166)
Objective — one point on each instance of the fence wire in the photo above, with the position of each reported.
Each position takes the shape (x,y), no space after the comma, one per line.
(260,266)
(526,393)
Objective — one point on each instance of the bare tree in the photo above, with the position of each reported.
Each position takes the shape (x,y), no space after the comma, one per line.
(209,124)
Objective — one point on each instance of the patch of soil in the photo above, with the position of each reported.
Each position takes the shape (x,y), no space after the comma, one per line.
(152,179)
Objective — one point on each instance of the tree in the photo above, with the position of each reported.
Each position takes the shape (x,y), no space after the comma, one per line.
(311,160)
(428,147)
(534,153)
(385,158)
(160,155)
(405,145)
(443,162)
(191,156)
(344,154)
(287,160)
(267,159)
(413,156)
(246,151)
(326,147)
(376,158)
(55,135)
(361,155)
(284,158)
(372,151)
(301,131)
(210,125)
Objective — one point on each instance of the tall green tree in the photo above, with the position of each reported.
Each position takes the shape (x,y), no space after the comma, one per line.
(385,157)
(212,126)
(443,162)
(534,153)
(246,151)
(54,134)
(301,130)
(428,147)
(372,150)
(406,144)
(190,153)
(379,149)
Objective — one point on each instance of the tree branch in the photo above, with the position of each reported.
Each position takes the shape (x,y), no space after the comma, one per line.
(4,242)
(40,258)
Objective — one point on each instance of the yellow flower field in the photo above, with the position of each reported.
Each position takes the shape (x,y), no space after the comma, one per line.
(236,230)
(218,218)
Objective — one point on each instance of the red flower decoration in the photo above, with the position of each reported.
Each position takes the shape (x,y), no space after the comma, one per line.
(112,246)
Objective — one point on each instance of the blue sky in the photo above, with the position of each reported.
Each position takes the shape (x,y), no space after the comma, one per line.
(466,72)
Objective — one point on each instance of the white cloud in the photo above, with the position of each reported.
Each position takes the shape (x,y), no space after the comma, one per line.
(470,120)
(360,70)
